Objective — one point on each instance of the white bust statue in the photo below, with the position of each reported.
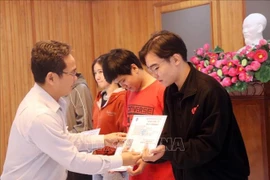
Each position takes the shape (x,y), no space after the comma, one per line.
(253,27)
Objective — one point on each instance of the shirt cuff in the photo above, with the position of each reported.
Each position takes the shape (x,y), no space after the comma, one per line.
(116,161)
(95,142)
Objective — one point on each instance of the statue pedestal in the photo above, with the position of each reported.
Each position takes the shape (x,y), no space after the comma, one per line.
(252,111)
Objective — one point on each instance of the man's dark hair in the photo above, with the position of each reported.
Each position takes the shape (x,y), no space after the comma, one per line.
(164,44)
(118,62)
(48,56)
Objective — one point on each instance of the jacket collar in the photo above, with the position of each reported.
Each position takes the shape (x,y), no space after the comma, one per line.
(189,87)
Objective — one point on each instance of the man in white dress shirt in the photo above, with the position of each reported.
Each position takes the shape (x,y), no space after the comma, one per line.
(40,147)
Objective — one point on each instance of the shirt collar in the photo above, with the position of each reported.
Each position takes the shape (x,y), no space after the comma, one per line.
(48,99)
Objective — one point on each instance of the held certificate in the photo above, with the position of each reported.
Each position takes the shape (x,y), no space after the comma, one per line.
(144,131)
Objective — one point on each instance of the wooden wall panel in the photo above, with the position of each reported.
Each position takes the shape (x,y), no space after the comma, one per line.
(22,23)
(122,24)
(232,16)
(250,115)
(15,74)
(70,22)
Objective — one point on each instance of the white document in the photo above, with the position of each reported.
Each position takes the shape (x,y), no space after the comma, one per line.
(144,131)
(92,132)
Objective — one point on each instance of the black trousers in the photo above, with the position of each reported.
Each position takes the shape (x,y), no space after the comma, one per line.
(77,176)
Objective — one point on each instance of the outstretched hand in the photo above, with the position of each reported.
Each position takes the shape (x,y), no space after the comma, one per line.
(130,158)
(154,154)
(138,169)
(114,139)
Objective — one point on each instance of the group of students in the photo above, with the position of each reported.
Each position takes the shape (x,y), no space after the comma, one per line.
(116,104)
(207,131)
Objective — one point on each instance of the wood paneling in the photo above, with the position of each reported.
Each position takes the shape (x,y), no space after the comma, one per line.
(252,114)
(70,22)
(91,31)
(253,132)
(232,16)
(122,24)
(22,24)
(15,74)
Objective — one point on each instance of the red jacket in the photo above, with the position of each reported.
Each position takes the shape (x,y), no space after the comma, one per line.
(109,118)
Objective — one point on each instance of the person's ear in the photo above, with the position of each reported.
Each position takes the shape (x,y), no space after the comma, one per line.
(176,58)
(134,68)
(50,77)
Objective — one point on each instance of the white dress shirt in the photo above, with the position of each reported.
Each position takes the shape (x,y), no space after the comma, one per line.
(41,148)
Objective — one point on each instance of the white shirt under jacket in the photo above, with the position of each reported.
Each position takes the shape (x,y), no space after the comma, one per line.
(41,148)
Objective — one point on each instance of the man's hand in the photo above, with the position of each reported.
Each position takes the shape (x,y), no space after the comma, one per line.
(114,139)
(130,158)
(138,169)
(154,154)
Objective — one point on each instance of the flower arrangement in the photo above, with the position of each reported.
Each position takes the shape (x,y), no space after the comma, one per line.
(235,69)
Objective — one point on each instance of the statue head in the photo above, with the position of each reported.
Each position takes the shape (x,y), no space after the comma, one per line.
(253,26)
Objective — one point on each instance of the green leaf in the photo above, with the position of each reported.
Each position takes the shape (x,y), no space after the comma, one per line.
(263,74)
(236,57)
(218,49)
(206,63)
(239,86)
(244,62)
(219,72)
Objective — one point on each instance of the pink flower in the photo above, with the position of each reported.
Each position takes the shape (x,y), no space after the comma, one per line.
(217,78)
(249,78)
(195,60)
(232,67)
(204,70)
(258,46)
(262,42)
(218,64)
(212,57)
(240,69)
(225,62)
(242,76)
(225,70)
(248,68)
(230,63)
(234,79)
(229,55)
(214,75)
(232,72)
(260,55)
(235,62)
(226,82)
(250,55)
(255,65)
(206,47)
(200,51)
(209,68)
(199,66)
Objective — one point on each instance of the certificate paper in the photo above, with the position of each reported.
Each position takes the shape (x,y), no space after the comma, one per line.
(92,132)
(144,131)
